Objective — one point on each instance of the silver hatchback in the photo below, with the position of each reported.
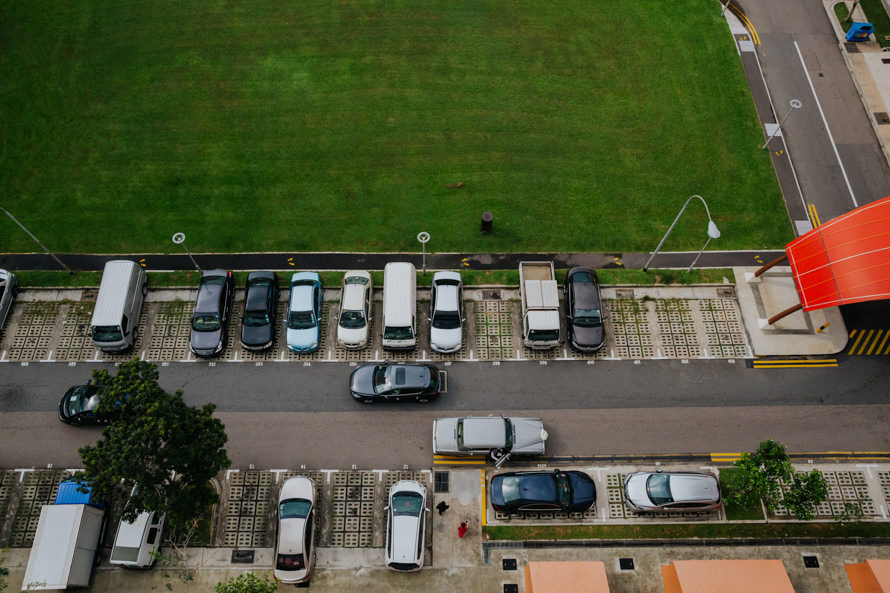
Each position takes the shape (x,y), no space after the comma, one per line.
(672,491)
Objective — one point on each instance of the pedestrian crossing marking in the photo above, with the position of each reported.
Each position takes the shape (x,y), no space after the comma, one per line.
(869,342)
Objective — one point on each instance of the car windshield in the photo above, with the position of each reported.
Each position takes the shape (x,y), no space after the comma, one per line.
(658,487)
(295,508)
(256,318)
(382,378)
(290,562)
(301,319)
(206,322)
(352,319)
(107,333)
(543,335)
(446,320)
(407,503)
(79,402)
(356,280)
(508,429)
(398,333)
(588,317)
(564,489)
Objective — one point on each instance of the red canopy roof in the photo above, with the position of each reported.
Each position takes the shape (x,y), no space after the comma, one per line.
(846,260)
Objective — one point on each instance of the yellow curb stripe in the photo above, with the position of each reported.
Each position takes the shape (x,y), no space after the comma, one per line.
(715,457)
(770,361)
(852,349)
(875,343)
(754,37)
(480,462)
(797,366)
(484,506)
(814,216)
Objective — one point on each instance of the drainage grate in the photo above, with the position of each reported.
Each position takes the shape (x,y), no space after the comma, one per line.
(811,562)
(242,556)
(509,563)
(881,117)
(440,482)
(511,588)
(626,563)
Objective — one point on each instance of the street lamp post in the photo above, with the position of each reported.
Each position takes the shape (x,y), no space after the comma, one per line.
(713,233)
(179,239)
(795,104)
(50,253)
(424,238)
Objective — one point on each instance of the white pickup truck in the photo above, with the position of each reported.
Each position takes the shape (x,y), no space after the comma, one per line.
(540,305)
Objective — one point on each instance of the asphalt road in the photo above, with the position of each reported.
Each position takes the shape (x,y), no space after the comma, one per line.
(285,415)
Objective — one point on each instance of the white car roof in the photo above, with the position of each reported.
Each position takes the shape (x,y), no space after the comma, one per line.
(353,297)
(484,433)
(446,298)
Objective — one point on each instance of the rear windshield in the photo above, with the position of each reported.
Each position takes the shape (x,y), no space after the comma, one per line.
(407,503)
(107,333)
(543,336)
(290,562)
(206,323)
(446,320)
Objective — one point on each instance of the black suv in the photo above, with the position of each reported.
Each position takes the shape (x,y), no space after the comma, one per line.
(212,309)
(584,315)
(260,311)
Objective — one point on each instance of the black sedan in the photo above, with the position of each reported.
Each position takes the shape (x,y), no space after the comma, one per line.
(78,406)
(584,315)
(260,309)
(533,491)
(395,382)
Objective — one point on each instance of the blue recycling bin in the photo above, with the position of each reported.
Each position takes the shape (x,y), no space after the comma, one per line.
(860,31)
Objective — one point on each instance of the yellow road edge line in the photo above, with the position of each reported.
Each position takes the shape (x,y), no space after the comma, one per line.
(458,463)
(797,366)
(866,341)
(875,343)
(794,361)
(856,343)
(484,509)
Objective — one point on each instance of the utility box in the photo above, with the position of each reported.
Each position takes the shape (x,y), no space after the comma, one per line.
(860,31)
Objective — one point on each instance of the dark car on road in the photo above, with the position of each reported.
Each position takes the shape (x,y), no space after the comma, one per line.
(395,382)
(532,491)
(212,309)
(584,315)
(260,310)
(78,406)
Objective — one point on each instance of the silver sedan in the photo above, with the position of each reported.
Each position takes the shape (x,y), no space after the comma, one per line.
(672,491)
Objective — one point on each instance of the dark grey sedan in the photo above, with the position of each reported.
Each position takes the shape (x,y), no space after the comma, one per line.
(584,315)
(395,382)
(212,308)
(260,311)
(8,288)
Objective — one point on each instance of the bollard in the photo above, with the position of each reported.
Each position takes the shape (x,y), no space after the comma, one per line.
(487,219)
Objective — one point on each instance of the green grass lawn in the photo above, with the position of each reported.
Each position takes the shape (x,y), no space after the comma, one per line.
(318,125)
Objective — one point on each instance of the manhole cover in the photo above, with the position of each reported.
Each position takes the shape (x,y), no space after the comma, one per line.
(626,563)
(509,563)
(242,556)
(811,562)
(851,48)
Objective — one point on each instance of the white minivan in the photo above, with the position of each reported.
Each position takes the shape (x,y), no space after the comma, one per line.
(399,306)
(135,543)
(115,324)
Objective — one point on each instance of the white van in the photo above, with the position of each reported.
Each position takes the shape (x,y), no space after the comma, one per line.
(136,542)
(115,324)
(399,306)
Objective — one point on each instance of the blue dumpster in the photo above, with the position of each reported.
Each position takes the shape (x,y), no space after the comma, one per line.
(860,31)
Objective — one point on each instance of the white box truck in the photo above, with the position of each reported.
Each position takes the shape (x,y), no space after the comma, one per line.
(66,544)
(540,305)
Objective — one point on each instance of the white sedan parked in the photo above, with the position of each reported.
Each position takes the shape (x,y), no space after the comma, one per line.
(447,312)
(482,435)
(295,541)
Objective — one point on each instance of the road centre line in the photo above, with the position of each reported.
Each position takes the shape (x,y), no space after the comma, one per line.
(825,121)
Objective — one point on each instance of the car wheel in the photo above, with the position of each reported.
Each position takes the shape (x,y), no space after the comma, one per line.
(144,289)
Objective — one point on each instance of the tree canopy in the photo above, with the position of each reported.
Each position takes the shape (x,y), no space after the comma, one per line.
(156,442)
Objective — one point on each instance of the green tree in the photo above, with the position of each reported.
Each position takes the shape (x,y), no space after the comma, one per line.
(156,442)
(247,583)
(806,492)
(762,475)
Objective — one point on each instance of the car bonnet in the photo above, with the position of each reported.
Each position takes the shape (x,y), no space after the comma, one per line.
(528,435)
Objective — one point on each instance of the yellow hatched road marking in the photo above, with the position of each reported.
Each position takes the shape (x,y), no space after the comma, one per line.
(875,343)
(856,343)
(865,342)
(887,351)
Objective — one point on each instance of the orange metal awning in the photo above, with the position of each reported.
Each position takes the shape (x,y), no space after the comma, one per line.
(871,576)
(726,576)
(844,261)
(566,577)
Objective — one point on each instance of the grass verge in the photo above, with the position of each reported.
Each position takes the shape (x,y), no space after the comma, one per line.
(689,530)
(738,512)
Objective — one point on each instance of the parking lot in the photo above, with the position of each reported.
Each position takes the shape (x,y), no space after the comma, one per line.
(641,323)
